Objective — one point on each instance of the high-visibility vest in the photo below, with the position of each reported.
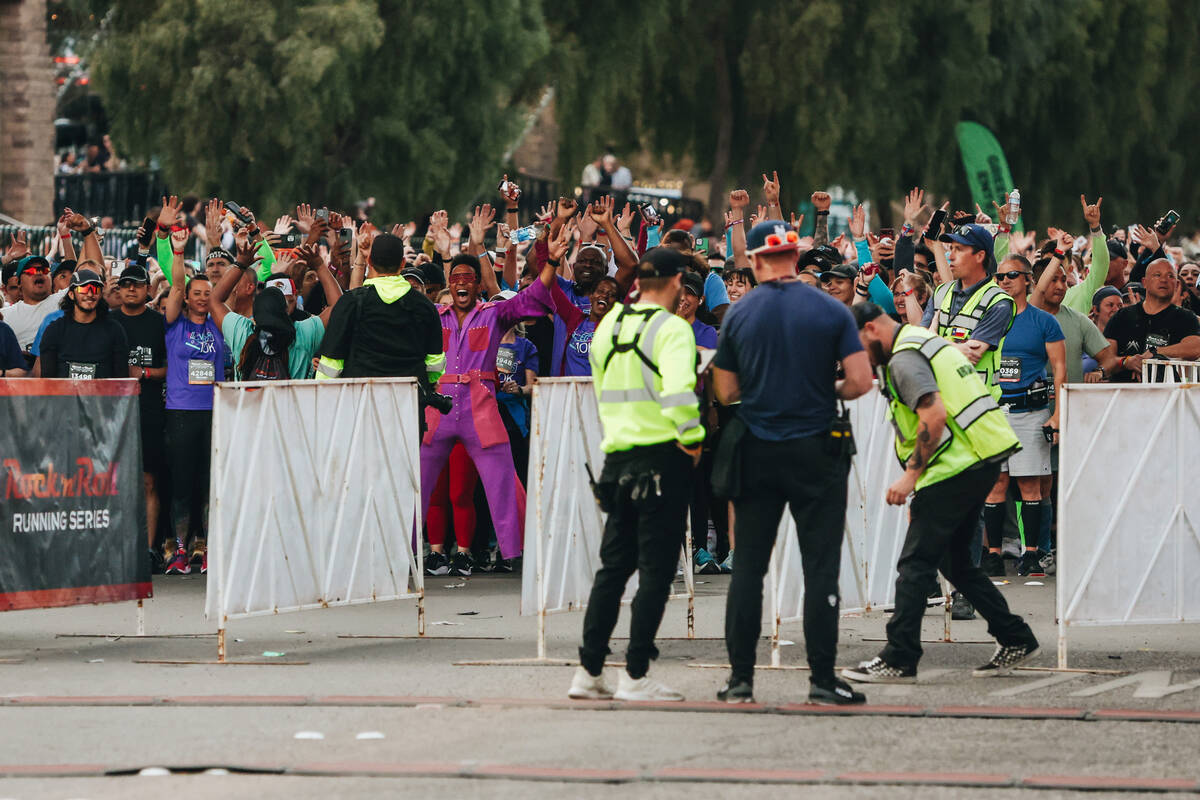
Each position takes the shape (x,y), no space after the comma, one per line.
(960,326)
(976,429)
(644,372)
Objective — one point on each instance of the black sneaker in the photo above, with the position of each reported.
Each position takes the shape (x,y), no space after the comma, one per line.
(834,692)
(960,607)
(437,564)
(158,564)
(1030,566)
(879,671)
(992,564)
(736,690)
(502,566)
(1005,658)
(461,563)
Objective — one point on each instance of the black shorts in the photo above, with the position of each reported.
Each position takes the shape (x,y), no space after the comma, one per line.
(154,444)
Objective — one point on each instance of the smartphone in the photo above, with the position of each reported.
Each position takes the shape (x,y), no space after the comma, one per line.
(887,233)
(650,215)
(935,224)
(289,240)
(322,213)
(701,246)
(1169,220)
(346,235)
(238,212)
(148,227)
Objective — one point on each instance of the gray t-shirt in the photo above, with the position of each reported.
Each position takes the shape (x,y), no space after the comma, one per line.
(912,376)
(1082,336)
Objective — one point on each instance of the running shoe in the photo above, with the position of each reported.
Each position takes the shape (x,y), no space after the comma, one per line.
(736,690)
(992,564)
(644,688)
(705,564)
(199,549)
(1049,565)
(727,564)
(436,563)
(1029,566)
(960,607)
(180,564)
(834,692)
(585,686)
(461,563)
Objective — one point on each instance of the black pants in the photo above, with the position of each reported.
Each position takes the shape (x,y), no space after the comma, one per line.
(189,450)
(945,519)
(645,491)
(809,475)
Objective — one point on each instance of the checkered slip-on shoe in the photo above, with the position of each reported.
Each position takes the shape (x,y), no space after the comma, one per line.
(1005,658)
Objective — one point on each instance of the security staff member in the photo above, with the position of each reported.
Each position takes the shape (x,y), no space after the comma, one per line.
(972,312)
(951,438)
(779,350)
(643,368)
(383,328)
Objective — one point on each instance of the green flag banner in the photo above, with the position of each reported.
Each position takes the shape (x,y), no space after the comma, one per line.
(987,169)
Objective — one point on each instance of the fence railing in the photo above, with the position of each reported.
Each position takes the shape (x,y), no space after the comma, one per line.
(124,196)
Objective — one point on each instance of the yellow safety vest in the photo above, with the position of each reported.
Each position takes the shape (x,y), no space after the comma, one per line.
(959,327)
(976,429)
(644,372)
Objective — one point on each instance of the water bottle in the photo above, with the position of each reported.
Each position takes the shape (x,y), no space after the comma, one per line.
(1014,206)
(526,234)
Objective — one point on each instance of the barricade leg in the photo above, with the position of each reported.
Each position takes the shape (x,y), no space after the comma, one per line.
(141,619)
(221,645)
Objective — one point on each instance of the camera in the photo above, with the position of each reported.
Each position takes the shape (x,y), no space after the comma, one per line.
(442,403)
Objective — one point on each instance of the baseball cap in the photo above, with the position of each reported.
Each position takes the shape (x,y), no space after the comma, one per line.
(281,282)
(434,276)
(772,236)
(86,277)
(975,236)
(506,294)
(1116,249)
(693,283)
(840,271)
(416,273)
(822,256)
(134,272)
(219,252)
(66,265)
(8,272)
(662,262)
(1103,292)
(32,261)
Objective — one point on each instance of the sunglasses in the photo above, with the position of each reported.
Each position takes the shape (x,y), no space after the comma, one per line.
(129,284)
(456,280)
(36,270)
(788,237)
(1010,276)
(88,288)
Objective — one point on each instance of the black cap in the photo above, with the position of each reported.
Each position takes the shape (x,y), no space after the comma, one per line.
(662,262)
(1116,249)
(822,256)
(433,274)
(693,283)
(416,273)
(134,272)
(864,313)
(83,277)
(840,271)
(66,265)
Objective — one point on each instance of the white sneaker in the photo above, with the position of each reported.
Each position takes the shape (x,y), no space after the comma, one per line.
(644,688)
(585,686)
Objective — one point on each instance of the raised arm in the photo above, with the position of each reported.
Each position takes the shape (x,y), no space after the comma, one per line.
(482,218)
(333,289)
(821,201)
(735,223)
(771,193)
(601,213)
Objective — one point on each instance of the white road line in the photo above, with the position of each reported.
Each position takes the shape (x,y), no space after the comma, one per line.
(1035,685)
(1152,684)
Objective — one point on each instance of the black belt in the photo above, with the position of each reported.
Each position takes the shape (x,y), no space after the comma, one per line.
(1033,399)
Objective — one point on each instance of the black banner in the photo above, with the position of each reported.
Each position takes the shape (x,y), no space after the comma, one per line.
(72,502)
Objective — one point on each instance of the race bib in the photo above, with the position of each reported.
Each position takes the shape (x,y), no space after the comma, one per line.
(506,360)
(1010,370)
(200,371)
(80,372)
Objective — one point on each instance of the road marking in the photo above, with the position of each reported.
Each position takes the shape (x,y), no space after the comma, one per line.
(1033,686)
(923,677)
(1154,684)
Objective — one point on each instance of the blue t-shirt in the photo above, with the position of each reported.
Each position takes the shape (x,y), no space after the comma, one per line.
(715,293)
(36,347)
(584,303)
(512,359)
(575,360)
(706,335)
(1023,358)
(784,340)
(189,382)
(11,356)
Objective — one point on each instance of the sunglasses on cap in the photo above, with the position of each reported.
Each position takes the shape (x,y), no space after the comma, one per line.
(777,239)
(1010,276)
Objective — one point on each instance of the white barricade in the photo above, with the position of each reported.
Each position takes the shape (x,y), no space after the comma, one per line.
(563,524)
(315,495)
(1169,370)
(1128,515)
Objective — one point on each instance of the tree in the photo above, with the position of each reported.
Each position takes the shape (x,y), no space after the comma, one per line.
(328,101)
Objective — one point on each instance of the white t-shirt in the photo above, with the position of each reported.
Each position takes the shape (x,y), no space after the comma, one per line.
(25,318)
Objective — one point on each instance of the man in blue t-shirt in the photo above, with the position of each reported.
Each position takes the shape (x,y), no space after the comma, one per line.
(1034,341)
(779,350)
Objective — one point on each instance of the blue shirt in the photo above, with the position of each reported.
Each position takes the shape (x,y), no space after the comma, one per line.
(784,340)
(715,293)
(575,360)
(584,303)
(36,347)
(706,335)
(511,362)
(1023,358)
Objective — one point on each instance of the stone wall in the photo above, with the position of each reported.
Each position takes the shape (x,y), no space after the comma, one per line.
(27,101)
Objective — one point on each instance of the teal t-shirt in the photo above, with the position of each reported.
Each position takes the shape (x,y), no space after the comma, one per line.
(309,332)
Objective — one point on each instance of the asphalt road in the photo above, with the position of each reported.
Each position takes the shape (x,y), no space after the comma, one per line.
(81,716)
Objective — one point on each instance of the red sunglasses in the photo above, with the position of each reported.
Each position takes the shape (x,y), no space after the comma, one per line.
(789,237)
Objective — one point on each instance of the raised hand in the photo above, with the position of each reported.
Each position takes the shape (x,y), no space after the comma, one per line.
(625,220)
(566,207)
(601,211)
(797,221)
(509,191)
(731,217)
(771,188)
(760,213)
(821,200)
(546,212)
(1005,214)
(980,217)
(63,228)
(283,224)
(1065,242)
(166,216)
(1091,213)
(438,221)
(304,217)
(310,255)
(19,247)
(179,239)
(858,222)
(913,203)
(366,237)
(1145,237)
(483,218)
(839,244)
(559,244)
(285,262)
(739,199)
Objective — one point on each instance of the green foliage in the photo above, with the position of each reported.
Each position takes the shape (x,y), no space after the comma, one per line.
(327,101)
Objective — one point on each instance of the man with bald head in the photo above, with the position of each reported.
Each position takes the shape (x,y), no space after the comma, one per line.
(1154,328)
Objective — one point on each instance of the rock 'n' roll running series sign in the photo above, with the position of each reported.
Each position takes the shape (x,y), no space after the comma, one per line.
(72,506)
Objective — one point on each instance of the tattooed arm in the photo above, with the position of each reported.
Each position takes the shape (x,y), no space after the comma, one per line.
(932,423)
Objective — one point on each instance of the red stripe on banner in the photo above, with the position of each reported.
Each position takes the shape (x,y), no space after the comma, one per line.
(63,387)
(74,596)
